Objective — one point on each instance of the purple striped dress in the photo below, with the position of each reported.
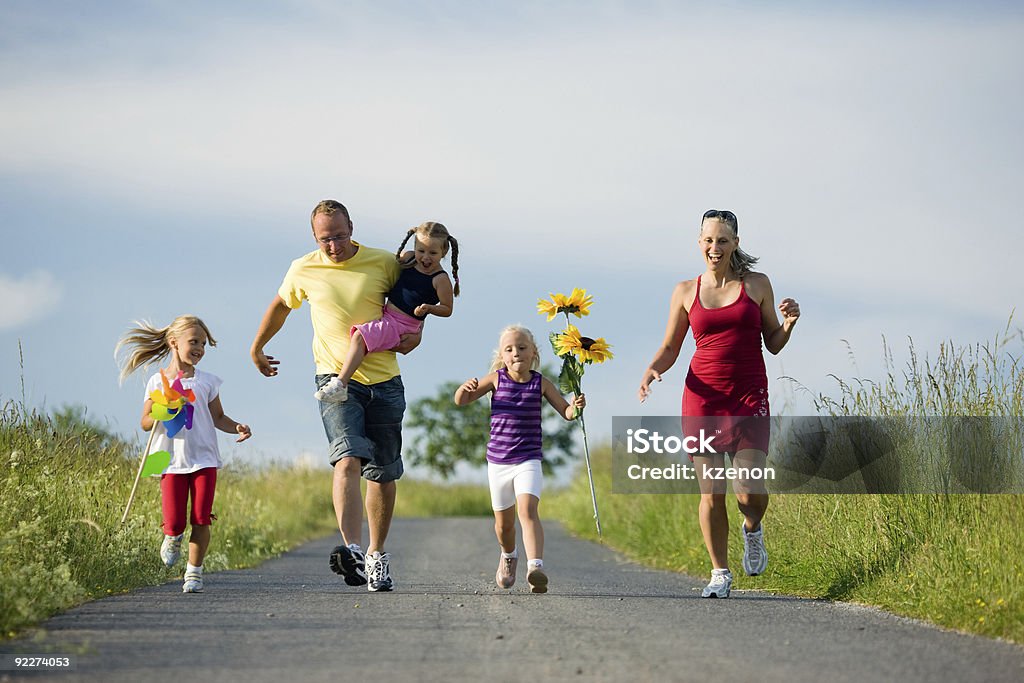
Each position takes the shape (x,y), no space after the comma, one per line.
(515,420)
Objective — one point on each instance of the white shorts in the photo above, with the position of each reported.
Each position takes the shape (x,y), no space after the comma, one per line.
(508,482)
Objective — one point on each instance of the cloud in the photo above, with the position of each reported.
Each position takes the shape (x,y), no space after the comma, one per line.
(640,119)
(26,300)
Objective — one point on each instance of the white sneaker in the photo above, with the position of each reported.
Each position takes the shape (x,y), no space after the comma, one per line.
(170,549)
(378,572)
(332,392)
(537,579)
(193,583)
(755,556)
(505,577)
(719,587)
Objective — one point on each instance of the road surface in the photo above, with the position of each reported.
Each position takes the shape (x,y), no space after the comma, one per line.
(604,619)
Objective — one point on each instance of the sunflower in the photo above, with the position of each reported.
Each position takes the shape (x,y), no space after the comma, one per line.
(594,350)
(585,349)
(578,303)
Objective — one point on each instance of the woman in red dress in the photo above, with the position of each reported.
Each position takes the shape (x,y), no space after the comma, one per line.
(730,309)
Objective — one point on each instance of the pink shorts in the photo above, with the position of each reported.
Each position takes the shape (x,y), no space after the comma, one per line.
(384,334)
(175,490)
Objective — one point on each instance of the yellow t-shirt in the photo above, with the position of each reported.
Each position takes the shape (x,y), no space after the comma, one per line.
(341,295)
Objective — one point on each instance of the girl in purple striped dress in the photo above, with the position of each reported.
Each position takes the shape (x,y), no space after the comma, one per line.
(514,450)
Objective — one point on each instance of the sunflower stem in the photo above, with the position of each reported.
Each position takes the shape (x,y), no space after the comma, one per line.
(590,476)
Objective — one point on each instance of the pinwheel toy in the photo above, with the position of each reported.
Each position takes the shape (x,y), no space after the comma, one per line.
(173,406)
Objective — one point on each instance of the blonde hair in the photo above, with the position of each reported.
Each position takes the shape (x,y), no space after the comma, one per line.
(497,363)
(432,230)
(146,344)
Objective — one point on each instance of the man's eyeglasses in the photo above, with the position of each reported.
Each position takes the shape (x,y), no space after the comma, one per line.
(337,238)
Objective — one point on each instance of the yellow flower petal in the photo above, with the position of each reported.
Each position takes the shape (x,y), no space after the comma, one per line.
(568,342)
(579,303)
(545,307)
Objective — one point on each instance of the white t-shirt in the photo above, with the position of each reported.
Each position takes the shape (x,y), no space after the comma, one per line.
(196,448)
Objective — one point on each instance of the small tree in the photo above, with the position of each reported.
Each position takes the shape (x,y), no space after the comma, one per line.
(450,434)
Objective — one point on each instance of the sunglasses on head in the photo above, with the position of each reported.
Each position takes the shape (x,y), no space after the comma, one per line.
(722,215)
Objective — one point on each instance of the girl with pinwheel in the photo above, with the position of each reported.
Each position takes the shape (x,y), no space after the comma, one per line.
(182,406)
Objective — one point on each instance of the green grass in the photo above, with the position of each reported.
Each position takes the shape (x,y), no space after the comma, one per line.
(954,560)
(426,499)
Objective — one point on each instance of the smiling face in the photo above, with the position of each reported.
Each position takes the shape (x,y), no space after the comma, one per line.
(189,346)
(717,243)
(429,252)
(517,352)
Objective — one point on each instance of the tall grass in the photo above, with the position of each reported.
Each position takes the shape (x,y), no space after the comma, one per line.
(961,381)
(952,559)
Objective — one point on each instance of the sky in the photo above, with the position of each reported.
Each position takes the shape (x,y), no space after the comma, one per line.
(162,158)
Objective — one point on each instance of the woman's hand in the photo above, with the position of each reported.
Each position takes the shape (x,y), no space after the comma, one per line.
(650,375)
(790,311)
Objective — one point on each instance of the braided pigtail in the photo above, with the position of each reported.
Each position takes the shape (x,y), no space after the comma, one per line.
(401,247)
(454,244)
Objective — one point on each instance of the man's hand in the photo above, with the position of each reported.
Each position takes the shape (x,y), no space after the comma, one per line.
(408,342)
(273,319)
(265,364)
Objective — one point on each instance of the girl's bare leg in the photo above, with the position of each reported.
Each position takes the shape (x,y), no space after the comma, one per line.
(356,354)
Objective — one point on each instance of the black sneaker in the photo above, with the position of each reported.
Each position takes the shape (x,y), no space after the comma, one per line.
(378,567)
(350,562)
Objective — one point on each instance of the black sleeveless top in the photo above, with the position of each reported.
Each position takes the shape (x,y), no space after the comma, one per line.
(412,289)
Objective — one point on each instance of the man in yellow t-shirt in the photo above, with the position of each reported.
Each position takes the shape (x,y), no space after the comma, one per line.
(346,284)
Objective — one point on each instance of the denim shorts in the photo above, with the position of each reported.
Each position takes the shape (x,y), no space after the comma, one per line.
(367,426)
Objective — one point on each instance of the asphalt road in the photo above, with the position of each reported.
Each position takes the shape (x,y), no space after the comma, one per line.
(604,619)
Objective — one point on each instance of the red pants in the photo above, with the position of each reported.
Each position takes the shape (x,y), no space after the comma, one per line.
(175,490)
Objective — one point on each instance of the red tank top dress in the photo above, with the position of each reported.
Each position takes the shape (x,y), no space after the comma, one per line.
(727,376)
